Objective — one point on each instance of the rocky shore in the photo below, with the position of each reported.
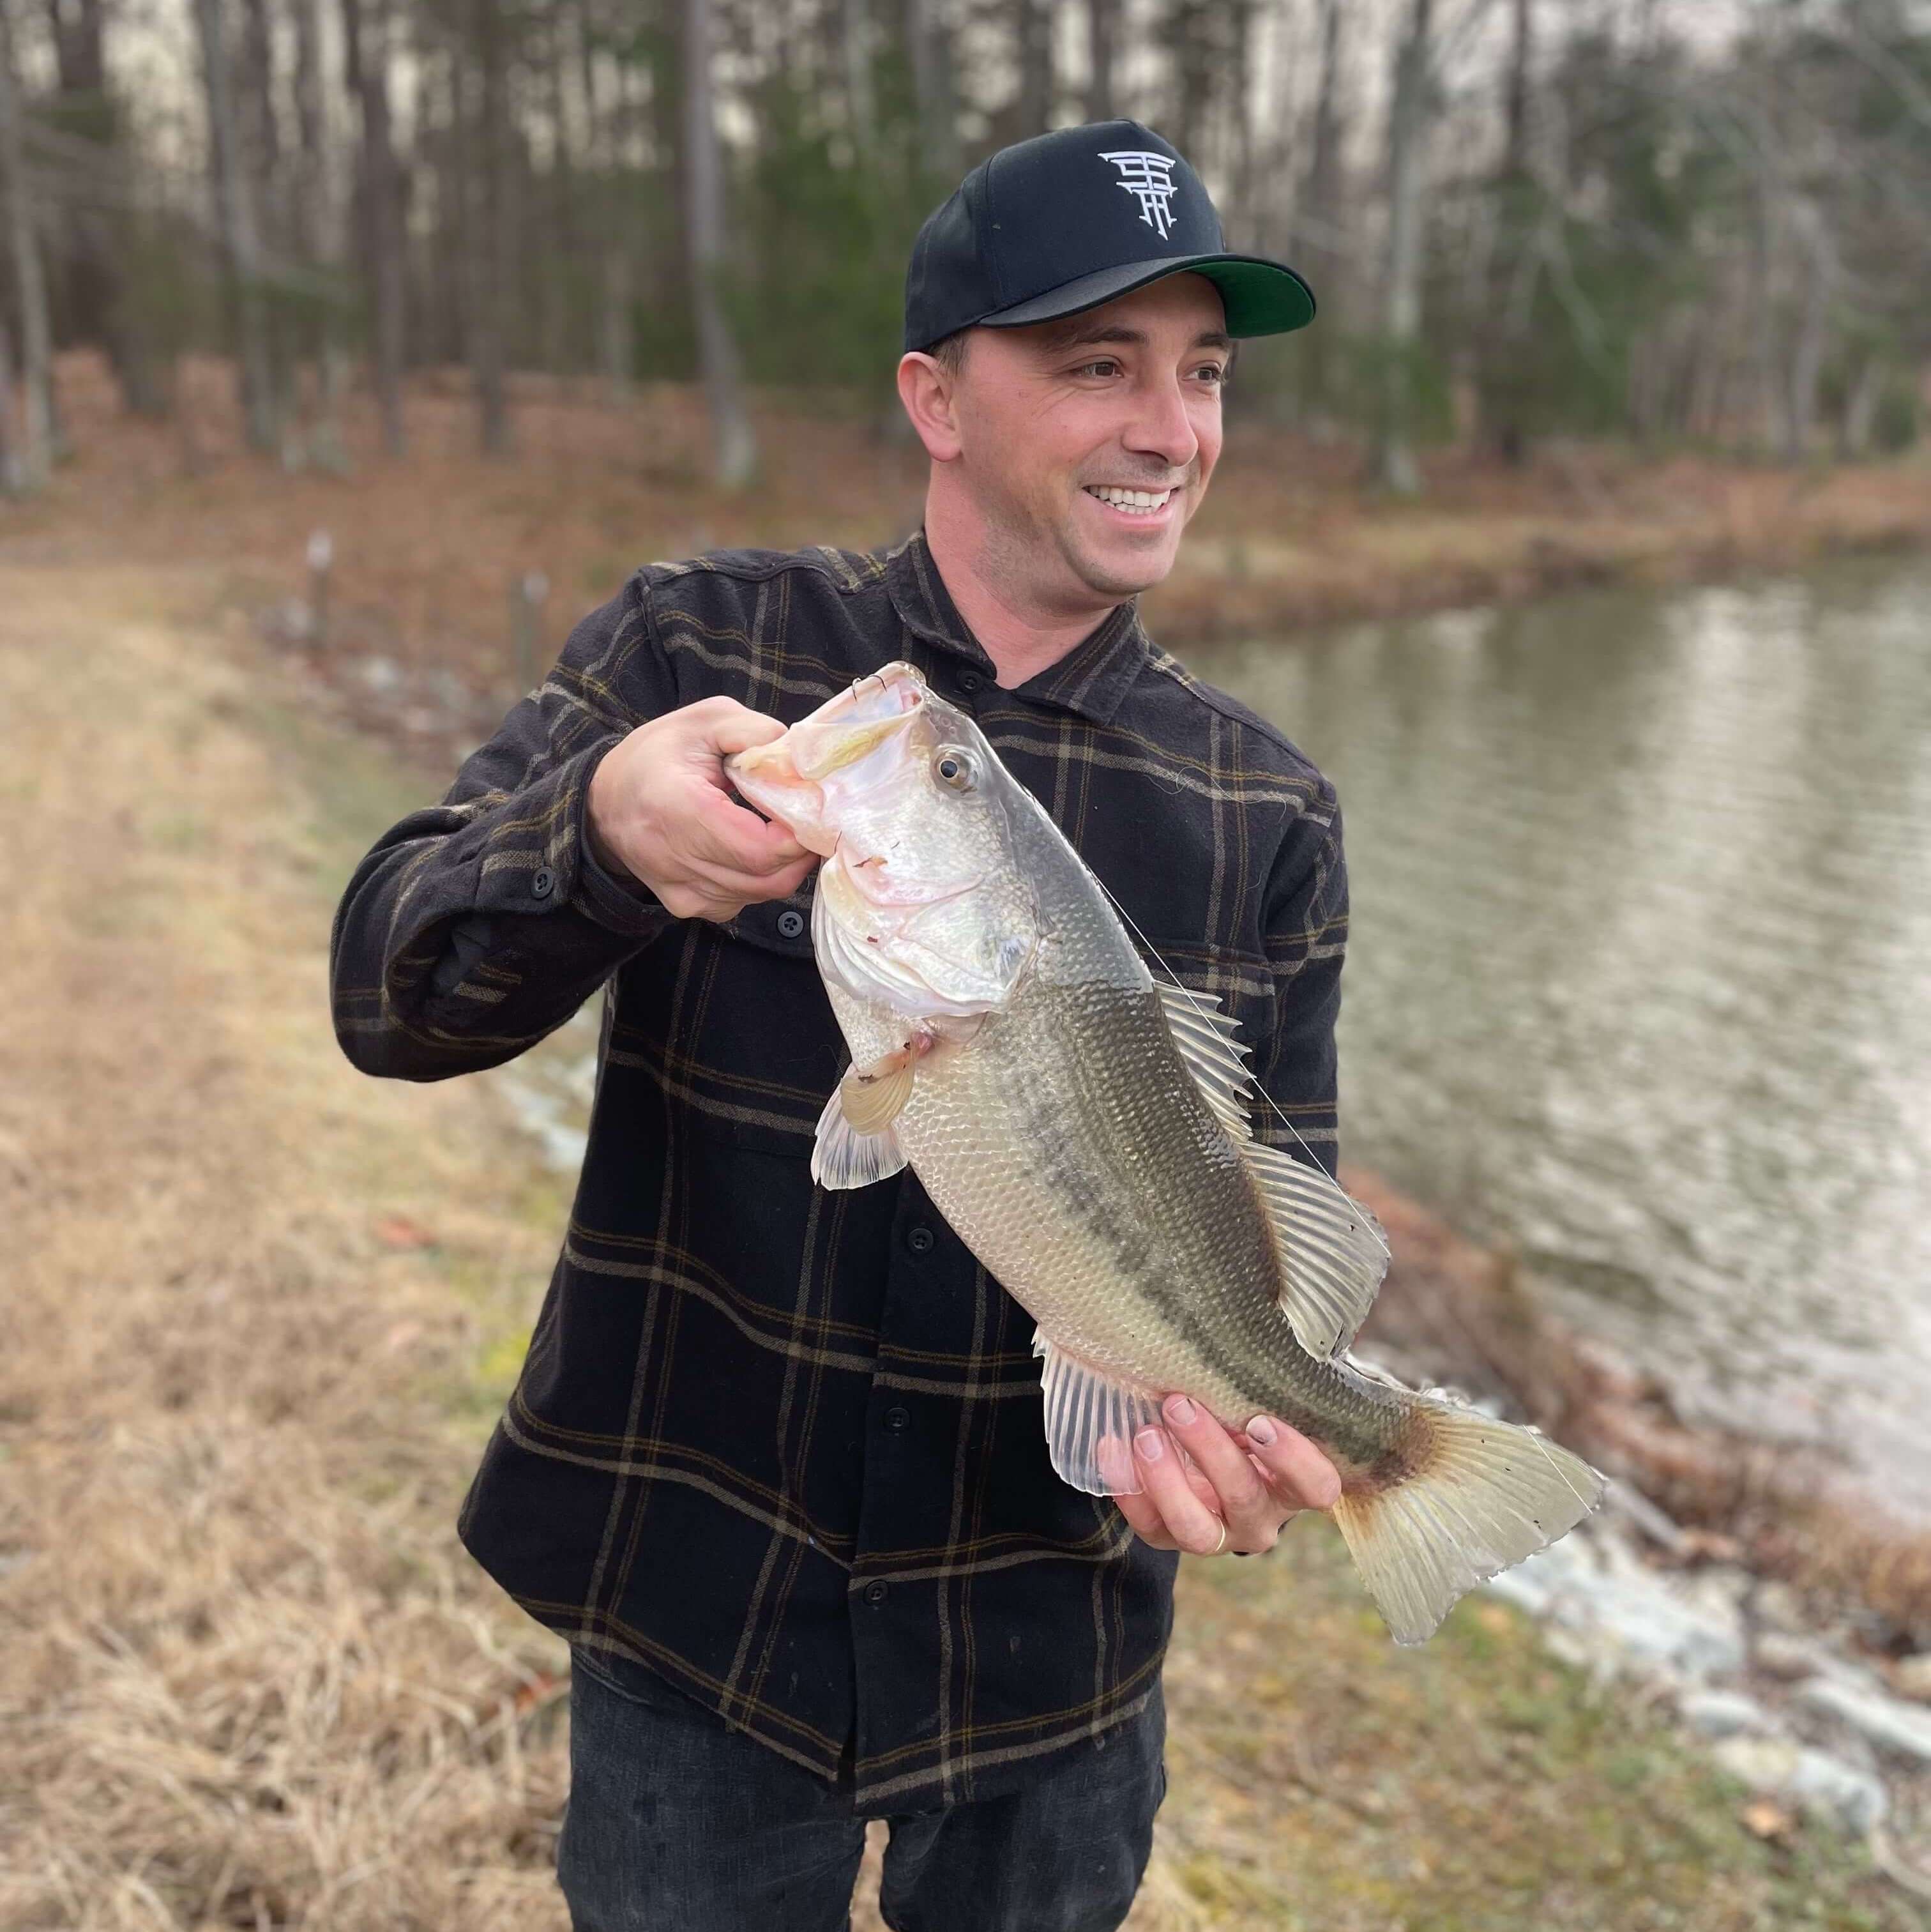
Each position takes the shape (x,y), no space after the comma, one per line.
(1784,1617)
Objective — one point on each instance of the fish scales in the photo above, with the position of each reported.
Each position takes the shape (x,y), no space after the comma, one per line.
(1085,1135)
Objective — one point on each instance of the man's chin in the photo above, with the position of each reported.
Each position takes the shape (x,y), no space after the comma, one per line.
(1121,574)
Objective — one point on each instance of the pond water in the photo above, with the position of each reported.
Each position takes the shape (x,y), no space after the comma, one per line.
(1639,975)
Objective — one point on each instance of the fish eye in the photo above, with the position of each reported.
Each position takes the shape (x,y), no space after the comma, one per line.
(952,767)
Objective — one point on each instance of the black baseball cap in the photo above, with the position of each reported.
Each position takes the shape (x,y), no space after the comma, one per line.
(1069,219)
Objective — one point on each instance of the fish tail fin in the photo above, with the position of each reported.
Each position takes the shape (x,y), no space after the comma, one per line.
(1479,1495)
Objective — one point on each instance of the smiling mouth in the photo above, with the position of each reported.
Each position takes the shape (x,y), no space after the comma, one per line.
(1132,502)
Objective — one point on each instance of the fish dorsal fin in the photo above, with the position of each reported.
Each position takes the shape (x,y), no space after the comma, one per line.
(1210,1042)
(1087,1408)
(1332,1252)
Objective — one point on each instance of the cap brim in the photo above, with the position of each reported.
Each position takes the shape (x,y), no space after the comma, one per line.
(1262,297)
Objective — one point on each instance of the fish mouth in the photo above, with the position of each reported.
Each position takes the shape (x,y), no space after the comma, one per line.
(787,779)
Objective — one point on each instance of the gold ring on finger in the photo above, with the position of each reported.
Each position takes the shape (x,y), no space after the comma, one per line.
(1222,1543)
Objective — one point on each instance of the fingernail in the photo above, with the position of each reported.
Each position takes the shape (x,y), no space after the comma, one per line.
(1179,1410)
(1261,1430)
(1150,1444)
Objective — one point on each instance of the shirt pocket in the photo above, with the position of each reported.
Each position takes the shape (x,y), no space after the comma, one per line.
(732,1021)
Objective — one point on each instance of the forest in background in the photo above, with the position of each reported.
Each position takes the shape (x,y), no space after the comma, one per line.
(1703,222)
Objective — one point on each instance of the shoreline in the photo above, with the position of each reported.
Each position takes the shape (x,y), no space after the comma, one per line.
(427,548)
(1452,1310)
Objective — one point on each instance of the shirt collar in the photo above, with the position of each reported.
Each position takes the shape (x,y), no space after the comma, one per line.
(1091,680)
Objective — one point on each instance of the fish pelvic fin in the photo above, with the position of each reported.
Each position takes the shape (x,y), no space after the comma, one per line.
(1091,1418)
(842,1157)
(1485,1494)
(1333,1253)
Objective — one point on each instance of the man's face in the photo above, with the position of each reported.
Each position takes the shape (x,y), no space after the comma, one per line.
(1123,397)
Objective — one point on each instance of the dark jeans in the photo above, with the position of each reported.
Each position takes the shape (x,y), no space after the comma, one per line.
(676,1824)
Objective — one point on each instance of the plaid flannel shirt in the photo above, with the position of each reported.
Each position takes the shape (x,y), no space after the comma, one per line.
(782,1446)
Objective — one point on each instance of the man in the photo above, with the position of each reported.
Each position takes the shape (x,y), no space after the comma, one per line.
(775,1464)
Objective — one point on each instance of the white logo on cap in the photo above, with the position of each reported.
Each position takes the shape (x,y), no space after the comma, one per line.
(1149,177)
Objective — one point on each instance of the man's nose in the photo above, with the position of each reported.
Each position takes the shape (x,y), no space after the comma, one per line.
(1161,425)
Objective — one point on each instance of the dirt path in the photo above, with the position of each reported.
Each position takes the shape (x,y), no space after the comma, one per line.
(259,1312)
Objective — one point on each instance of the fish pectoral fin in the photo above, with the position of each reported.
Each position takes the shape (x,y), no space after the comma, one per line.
(1332,1252)
(1090,1422)
(874,1096)
(843,1157)
(1210,1042)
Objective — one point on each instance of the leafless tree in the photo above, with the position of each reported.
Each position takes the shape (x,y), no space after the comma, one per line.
(366,51)
(734,448)
(33,457)
(234,216)
(1394,467)
(1102,24)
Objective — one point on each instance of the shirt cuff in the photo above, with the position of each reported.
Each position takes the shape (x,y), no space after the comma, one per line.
(615,900)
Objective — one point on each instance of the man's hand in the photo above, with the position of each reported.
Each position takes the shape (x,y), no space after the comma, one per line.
(1239,1491)
(661,809)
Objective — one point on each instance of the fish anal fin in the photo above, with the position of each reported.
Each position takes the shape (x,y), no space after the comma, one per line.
(1209,1042)
(1332,1252)
(842,1157)
(1091,1418)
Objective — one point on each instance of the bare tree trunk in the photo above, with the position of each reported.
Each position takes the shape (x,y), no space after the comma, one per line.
(735,447)
(1763,258)
(1102,42)
(315,220)
(929,52)
(855,47)
(12,475)
(262,166)
(1033,29)
(98,242)
(1394,467)
(235,212)
(34,459)
(1188,32)
(1806,358)
(1320,201)
(367,60)
(1515,104)
(490,268)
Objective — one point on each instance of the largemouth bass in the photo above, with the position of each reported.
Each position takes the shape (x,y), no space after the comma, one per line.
(1086,1131)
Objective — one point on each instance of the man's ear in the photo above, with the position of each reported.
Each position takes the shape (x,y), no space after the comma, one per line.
(927,391)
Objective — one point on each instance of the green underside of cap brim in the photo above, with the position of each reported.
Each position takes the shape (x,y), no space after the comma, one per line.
(1262,297)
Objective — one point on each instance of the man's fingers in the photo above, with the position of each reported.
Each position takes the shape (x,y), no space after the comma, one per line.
(1252,1513)
(733,837)
(725,726)
(1190,1523)
(1298,1471)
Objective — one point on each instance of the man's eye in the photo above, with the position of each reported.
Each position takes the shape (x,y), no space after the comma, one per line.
(1104,362)
(1216,371)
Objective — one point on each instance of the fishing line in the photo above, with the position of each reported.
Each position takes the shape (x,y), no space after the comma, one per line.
(1211,1014)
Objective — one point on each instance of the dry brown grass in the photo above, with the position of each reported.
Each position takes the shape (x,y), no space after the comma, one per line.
(248,1678)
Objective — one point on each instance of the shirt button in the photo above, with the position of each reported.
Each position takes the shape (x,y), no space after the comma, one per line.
(877,1592)
(970,681)
(790,923)
(542,883)
(921,1239)
(898,1420)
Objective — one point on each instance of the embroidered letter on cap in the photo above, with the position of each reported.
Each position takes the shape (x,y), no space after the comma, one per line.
(1149,177)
